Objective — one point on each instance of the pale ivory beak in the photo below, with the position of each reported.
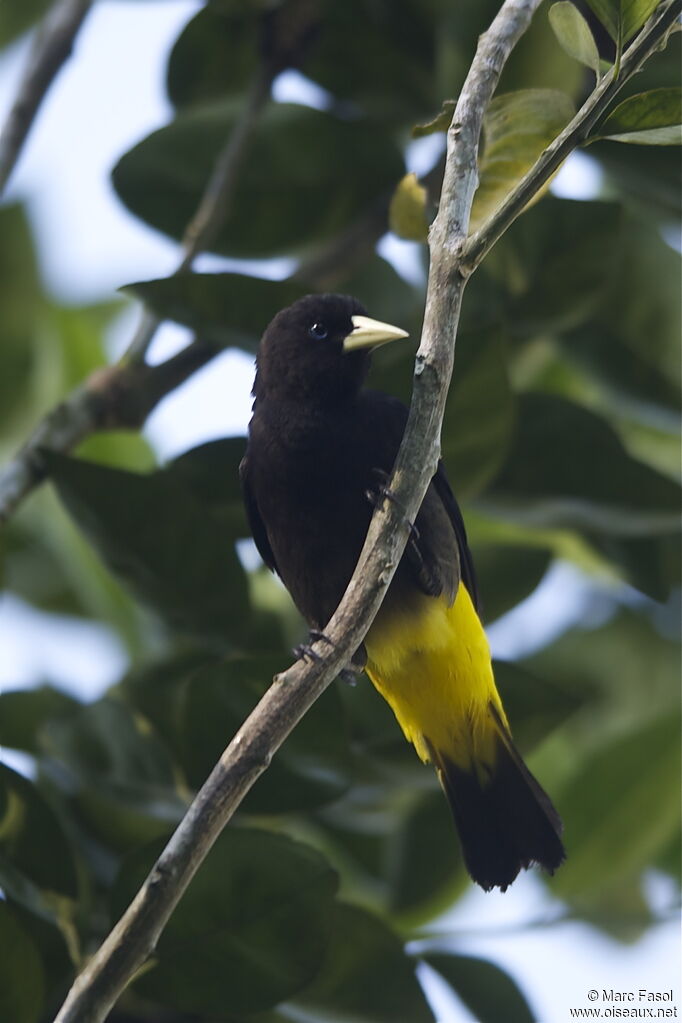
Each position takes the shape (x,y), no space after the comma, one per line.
(368,333)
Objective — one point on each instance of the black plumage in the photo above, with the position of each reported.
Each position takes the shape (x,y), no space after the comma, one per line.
(319,444)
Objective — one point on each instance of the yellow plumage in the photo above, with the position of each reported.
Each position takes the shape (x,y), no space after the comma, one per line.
(431,663)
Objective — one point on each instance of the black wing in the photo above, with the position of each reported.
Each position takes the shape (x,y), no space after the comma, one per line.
(258,530)
(466,562)
(437,554)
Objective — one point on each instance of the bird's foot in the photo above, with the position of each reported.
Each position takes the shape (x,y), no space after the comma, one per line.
(305,652)
(318,636)
(355,667)
(375,496)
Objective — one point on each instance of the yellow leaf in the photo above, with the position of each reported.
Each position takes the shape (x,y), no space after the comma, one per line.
(517,128)
(407,213)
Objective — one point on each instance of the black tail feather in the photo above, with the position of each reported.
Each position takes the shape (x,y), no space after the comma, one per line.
(505,819)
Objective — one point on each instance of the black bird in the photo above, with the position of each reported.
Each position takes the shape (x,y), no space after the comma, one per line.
(318,443)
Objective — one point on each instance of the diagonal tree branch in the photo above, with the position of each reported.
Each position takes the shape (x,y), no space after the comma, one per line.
(51,49)
(132,940)
(576,132)
(113,397)
(96,404)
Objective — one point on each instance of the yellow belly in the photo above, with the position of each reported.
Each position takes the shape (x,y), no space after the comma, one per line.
(432,665)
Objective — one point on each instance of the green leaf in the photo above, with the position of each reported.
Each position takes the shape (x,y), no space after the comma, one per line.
(317,170)
(227,309)
(488,992)
(481,394)
(517,127)
(56,569)
(22,979)
(537,704)
(311,769)
(611,663)
(649,175)
(24,711)
(366,975)
(507,574)
(211,472)
(574,34)
(652,564)
(57,964)
(567,468)
(634,14)
(630,345)
(231,309)
(425,868)
(18,16)
(120,449)
(29,826)
(407,213)
(250,931)
(123,777)
(22,306)
(197,702)
(670,858)
(215,55)
(649,118)
(559,262)
(621,808)
(156,535)
(623,18)
(633,381)
(538,60)
(392,73)
(104,743)
(619,909)
(441,122)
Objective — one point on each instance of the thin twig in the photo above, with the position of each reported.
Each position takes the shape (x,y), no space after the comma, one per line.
(214,205)
(90,408)
(51,49)
(573,135)
(292,693)
(113,397)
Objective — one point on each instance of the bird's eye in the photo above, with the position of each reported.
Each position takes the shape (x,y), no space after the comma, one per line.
(318,331)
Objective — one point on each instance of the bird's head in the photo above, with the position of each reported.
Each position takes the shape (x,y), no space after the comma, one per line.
(319,346)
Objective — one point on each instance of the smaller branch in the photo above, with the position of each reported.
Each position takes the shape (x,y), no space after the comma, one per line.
(214,205)
(117,396)
(206,223)
(647,42)
(51,49)
(113,397)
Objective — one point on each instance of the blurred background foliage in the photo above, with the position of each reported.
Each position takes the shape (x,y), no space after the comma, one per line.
(561,438)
